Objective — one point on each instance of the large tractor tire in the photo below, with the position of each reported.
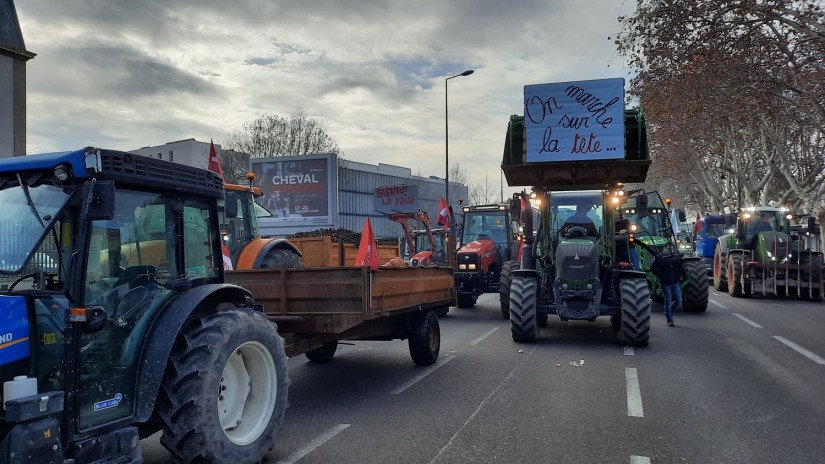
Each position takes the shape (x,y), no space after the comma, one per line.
(504,286)
(524,324)
(695,291)
(720,269)
(465,300)
(424,338)
(814,276)
(224,392)
(323,353)
(634,326)
(736,266)
(280,258)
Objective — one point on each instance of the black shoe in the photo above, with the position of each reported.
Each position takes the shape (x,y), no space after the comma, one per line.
(671,324)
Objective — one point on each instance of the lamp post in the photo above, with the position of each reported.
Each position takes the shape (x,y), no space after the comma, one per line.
(447,134)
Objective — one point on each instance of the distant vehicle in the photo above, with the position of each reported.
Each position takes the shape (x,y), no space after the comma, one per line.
(710,228)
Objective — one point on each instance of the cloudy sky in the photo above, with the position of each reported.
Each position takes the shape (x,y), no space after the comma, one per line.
(124,74)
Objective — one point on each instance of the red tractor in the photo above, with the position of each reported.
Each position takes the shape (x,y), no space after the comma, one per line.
(424,249)
(486,244)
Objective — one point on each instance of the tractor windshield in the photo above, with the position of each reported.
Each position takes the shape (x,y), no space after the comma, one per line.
(26,219)
(487,225)
(656,223)
(577,214)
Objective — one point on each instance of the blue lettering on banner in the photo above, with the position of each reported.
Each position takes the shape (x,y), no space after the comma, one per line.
(106,404)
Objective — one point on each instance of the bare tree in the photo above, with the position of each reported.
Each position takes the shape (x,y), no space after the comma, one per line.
(273,135)
(484,192)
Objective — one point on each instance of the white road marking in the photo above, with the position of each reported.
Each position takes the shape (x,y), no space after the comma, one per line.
(628,351)
(718,304)
(483,403)
(420,376)
(639,460)
(490,332)
(815,358)
(311,446)
(634,393)
(747,320)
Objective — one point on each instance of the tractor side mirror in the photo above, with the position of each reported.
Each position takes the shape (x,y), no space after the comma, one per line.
(740,229)
(813,227)
(231,204)
(730,220)
(682,216)
(99,200)
(515,207)
(96,319)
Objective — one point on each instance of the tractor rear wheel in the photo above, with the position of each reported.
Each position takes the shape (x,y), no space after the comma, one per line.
(524,326)
(736,268)
(424,338)
(634,329)
(695,290)
(224,392)
(281,258)
(720,268)
(504,286)
(322,354)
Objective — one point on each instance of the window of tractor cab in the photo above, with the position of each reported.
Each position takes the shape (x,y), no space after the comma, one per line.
(486,226)
(145,237)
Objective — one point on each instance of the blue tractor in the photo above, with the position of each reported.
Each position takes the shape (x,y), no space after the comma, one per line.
(706,236)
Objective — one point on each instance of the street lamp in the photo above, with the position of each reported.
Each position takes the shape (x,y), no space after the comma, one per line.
(447,133)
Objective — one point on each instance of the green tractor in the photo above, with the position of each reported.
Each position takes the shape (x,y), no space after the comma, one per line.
(570,267)
(652,230)
(763,254)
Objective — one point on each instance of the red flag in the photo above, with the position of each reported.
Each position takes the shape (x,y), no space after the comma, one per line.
(443,218)
(367,250)
(227,261)
(214,161)
(699,224)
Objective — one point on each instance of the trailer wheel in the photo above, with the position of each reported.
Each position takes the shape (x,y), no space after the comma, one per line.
(720,267)
(736,264)
(322,354)
(524,326)
(634,329)
(504,286)
(280,258)
(224,391)
(465,300)
(424,338)
(695,291)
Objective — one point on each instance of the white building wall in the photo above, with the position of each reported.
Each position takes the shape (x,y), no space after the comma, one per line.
(189,152)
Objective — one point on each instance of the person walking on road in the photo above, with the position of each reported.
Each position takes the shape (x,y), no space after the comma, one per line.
(668,269)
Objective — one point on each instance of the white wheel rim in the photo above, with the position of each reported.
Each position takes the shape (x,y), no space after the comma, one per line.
(247,393)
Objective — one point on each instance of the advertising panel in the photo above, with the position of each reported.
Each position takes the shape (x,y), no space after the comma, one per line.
(396,199)
(574,121)
(297,190)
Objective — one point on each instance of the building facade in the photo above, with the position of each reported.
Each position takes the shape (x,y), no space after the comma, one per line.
(13,58)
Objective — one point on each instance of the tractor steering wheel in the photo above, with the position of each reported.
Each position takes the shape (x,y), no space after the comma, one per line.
(576,232)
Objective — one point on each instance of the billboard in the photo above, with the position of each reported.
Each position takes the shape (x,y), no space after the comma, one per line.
(574,121)
(396,199)
(298,191)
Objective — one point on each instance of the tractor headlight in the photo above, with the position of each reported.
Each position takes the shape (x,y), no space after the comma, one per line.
(462,266)
(471,267)
(61,173)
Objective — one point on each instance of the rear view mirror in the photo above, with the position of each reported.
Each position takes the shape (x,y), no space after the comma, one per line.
(813,228)
(515,207)
(682,216)
(99,200)
(231,204)
(641,206)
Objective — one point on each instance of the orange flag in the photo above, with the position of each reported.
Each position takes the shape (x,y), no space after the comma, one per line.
(214,161)
(367,250)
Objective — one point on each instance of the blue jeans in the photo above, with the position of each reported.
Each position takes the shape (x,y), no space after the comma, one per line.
(673,298)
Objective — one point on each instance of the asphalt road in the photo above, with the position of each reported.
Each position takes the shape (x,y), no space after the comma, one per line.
(741,383)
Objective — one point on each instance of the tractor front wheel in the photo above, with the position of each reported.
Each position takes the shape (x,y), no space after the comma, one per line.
(695,290)
(736,269)
(524,326)
(224,392)
(504,286)
(634,328)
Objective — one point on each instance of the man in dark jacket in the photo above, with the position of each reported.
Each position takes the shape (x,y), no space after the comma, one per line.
(668,269)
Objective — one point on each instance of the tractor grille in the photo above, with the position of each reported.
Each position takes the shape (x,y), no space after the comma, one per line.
(578,261)
(777,244)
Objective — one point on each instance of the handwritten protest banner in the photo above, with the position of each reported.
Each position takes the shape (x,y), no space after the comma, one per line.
(574,121)
(396,199)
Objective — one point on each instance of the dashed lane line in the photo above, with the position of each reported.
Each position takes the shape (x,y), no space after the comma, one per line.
(628,351)
(718,304)
(314,444)
(420,376)
(747,320)
(813,357)
(634,393)
(639,460)
(489,332)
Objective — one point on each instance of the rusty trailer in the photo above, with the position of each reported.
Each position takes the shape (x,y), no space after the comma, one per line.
(315,308)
